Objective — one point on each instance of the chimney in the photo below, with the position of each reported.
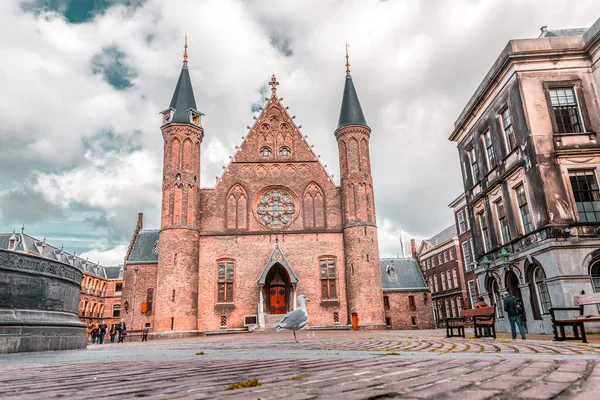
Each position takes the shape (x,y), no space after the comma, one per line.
(413,248)
(140,221)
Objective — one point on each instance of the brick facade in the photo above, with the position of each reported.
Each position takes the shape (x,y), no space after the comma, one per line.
(408,310)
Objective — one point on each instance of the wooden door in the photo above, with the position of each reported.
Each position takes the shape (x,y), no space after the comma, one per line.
(277,300)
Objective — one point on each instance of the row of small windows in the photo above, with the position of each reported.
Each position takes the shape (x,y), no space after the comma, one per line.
(566,115)
(448,308)
(266,151)
(412,304)
(442,257)
(448,280)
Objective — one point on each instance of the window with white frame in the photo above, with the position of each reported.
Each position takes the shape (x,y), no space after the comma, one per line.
(473,164)
(509,131)
(524,209)
(462,227)
(490,158)
(454,308)
(472,249)
(485,234)
(440,259)
(586,194)
(435,283)
(430,282)
(466,256)
(449,278)
(448,309)
(539,277)
(454,277)
(451,254)
(443,281)
(565,107)
(472,293)
(445,256)
(502,222)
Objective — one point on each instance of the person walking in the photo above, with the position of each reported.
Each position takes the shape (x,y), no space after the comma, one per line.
(94,335)
(122,330)
(482,304)
(113,332)
(514,307)
(102,332)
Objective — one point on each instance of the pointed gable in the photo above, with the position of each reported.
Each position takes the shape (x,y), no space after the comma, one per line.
(277,257)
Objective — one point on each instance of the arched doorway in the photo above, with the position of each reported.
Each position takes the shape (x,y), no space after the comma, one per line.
(277,290)
(512,286)
(493,290)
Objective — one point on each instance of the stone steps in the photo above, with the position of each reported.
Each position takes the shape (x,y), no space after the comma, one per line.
(271,321)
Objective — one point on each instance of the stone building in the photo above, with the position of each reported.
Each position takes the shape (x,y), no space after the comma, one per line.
(274,226)
(439,259)
(406,298)
(101,286)
(528,147)
(465,241)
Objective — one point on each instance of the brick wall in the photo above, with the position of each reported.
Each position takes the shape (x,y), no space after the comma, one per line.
(398,313)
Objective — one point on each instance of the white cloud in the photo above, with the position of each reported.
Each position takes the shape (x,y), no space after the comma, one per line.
(415,64)
(108,257)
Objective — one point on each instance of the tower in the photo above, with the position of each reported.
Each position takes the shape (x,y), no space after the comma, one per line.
(363,276)
(176,295)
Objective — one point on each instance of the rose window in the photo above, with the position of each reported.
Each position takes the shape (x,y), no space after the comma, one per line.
(276,208)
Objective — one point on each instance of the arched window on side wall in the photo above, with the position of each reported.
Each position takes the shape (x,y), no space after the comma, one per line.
(595,274)
(541,289)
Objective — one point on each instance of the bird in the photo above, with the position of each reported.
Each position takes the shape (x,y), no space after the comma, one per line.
(295,320)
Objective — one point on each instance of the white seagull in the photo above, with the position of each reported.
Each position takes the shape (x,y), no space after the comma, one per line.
(296,319)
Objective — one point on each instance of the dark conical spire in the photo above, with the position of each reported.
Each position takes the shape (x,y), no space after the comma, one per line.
(183,99)
(351,112)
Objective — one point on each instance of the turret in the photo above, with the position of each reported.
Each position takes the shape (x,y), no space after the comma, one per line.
(177,282)
(363,277)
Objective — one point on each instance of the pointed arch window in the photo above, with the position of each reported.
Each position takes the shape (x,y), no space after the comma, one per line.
(539,278)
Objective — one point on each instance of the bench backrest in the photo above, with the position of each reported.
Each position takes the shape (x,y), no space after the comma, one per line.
(478,311)
(587,299)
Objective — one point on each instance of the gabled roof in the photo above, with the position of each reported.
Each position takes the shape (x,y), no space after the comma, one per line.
(443,236)
(351,112)
(401,274)
(277,257)
(143,250)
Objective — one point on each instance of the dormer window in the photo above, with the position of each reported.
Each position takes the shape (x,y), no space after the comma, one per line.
(167,116)
(12,243)
(195,118)
(265,152)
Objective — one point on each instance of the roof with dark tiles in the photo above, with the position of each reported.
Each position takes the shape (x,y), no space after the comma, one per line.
(351,112)
(183,98)
(31,245)
(143,250)
(401,275)
(443,236)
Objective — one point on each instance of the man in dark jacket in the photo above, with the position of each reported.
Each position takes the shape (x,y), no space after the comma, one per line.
(513,316)
(121,328)
(101,332)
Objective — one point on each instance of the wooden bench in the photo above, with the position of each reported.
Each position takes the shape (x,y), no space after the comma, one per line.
(477,318)
(134,332)
(577,322)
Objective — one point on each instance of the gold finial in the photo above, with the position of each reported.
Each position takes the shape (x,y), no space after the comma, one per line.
(347,58)
(273,84)
(185,54)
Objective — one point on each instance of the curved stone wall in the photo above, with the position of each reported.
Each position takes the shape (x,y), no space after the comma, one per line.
(38,304)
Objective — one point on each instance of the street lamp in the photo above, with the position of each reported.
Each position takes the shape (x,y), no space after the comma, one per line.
(503,255)
(486,262)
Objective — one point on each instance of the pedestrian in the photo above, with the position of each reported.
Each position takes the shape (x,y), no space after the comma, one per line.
(514,307)
(482,304)
(102,332)
(94,335)
(122,328)
(113,332)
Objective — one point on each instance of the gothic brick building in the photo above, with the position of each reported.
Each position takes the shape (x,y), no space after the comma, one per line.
(274,226)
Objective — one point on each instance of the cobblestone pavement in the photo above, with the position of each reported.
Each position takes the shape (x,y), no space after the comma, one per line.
(324,365)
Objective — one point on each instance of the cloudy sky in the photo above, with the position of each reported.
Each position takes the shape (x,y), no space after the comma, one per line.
(82,83)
